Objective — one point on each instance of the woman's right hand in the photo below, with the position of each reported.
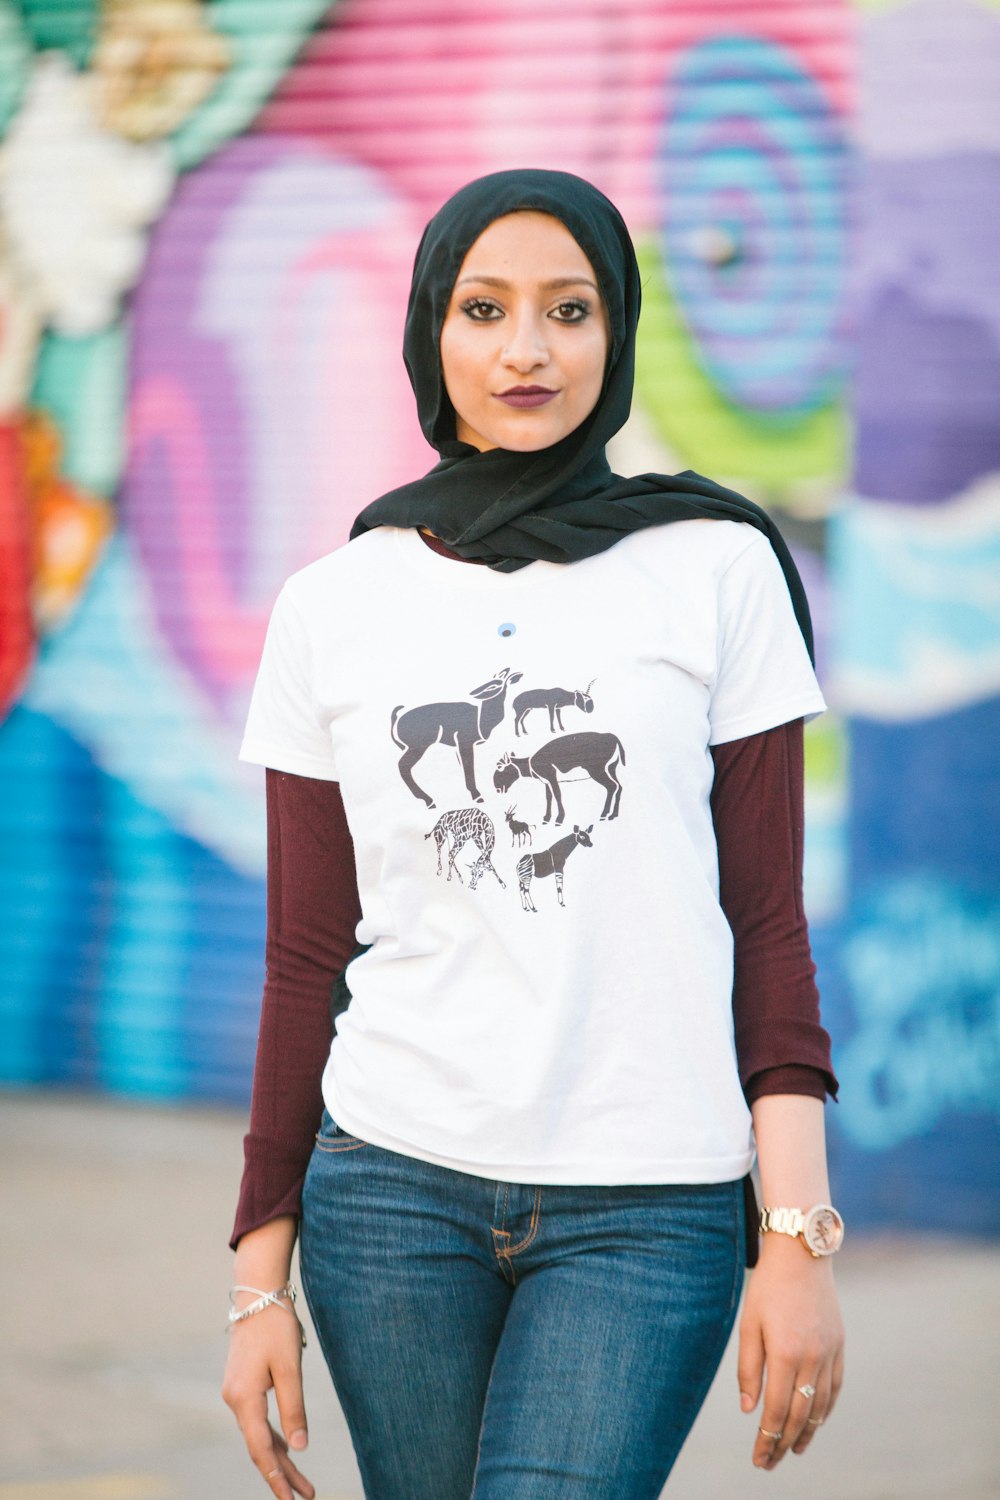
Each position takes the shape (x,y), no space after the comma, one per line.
(265,1353)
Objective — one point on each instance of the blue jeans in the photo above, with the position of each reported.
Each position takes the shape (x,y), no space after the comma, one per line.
(505,1342)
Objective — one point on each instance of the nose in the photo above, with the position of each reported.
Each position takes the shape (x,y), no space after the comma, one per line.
(526,347)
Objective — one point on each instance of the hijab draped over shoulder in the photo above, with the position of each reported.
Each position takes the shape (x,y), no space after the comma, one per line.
(560,503)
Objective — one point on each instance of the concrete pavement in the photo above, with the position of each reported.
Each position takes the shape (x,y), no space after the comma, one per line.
(113,1278)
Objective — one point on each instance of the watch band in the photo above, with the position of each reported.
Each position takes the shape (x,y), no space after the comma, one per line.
(820,1228)
(782,1221)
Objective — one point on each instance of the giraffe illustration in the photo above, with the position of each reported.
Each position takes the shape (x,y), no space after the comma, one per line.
(461,825)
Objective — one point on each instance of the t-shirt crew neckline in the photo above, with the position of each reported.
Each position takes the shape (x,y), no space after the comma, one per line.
(418,555)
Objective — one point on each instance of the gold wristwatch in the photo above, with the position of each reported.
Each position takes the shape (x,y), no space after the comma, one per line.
(820,1228)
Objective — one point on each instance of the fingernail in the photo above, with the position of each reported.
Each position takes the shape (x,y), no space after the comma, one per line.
(746,1401)
(299,1439)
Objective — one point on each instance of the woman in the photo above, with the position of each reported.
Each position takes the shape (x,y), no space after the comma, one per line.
(560,715)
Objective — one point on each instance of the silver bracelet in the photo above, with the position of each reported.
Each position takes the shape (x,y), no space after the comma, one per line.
(265,1299)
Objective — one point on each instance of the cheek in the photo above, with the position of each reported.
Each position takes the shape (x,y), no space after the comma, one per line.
(458,365)
(590,372)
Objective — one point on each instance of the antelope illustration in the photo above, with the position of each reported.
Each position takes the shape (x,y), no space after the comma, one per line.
(520,832)
(464,725)
(555,699)
(599,756)
(550,862)
(461,825)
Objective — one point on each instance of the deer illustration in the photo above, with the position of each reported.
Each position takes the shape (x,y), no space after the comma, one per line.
(555,700)
(597,755)
(464,725)
(520,832)
(550,862)
(461,825)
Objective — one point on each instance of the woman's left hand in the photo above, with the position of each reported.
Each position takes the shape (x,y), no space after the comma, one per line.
(791,1337)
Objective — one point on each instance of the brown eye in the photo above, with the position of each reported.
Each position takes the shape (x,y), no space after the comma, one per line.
(481,311)
(572,312)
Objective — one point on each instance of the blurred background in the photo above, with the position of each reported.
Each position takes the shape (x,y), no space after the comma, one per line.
(208,214)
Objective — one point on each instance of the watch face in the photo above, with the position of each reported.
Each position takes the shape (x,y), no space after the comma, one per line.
(823,1230)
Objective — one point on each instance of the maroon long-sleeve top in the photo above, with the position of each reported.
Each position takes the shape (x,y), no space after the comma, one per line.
(313,909)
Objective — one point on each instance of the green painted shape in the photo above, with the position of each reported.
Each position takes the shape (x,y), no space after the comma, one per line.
(81,383)
(263,39)
(826,751)
(16,55)
(709,432)
(69,25)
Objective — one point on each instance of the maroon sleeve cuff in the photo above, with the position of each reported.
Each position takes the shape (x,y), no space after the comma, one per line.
(272,1183)
(793,1079)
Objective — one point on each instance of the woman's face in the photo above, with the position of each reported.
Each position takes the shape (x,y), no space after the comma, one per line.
(525,339)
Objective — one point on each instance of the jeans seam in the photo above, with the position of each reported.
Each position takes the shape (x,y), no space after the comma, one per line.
(536,1215)
(738,1258)
(329,1150)
(482,1423)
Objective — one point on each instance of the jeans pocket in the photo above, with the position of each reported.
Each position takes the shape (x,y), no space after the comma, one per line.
(330,1137)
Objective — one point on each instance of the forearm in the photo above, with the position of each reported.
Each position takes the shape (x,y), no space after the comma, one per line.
(264,1255)
(791,1151)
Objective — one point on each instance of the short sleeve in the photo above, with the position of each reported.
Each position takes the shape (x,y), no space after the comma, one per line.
(283,728)
(764,676)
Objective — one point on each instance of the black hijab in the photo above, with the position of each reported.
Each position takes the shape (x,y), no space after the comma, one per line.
(561,503)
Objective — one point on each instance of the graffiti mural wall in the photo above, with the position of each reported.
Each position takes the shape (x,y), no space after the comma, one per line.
(208,213)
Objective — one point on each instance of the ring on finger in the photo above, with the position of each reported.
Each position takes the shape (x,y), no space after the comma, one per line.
(774,1436)
(814,1421)
(808,1391)
(273,1475)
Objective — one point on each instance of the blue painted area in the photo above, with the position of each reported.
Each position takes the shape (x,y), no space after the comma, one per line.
(918,604)
(911,976)
(926,797)
(911,991)
(132,955)
(752,148)
(53,902)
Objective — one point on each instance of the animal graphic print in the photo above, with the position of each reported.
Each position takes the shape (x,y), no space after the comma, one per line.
(461,825)
(550,861)
(520,833)
(598,755)
(463,725)
(555,700)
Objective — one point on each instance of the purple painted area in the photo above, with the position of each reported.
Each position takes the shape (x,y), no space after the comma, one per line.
(930,72)
(177,367)
(927,293)
(927,395)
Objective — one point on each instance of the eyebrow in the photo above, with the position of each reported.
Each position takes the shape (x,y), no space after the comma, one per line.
(555,285)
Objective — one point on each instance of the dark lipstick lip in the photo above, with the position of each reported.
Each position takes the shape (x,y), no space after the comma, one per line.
(526,396)
(527,390)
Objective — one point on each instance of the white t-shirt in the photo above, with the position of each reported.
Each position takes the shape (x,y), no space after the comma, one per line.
(524,762)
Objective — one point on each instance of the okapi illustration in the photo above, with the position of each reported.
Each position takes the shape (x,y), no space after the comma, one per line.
(461,825)
(550,862)
(597,755)
(520,832)
(555,700)
(464,725)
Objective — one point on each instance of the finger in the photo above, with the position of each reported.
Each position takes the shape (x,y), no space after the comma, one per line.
(287,1474)
(291,1404)
(264,1446)
(810,1412)
(772,1440)
(750,1365)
